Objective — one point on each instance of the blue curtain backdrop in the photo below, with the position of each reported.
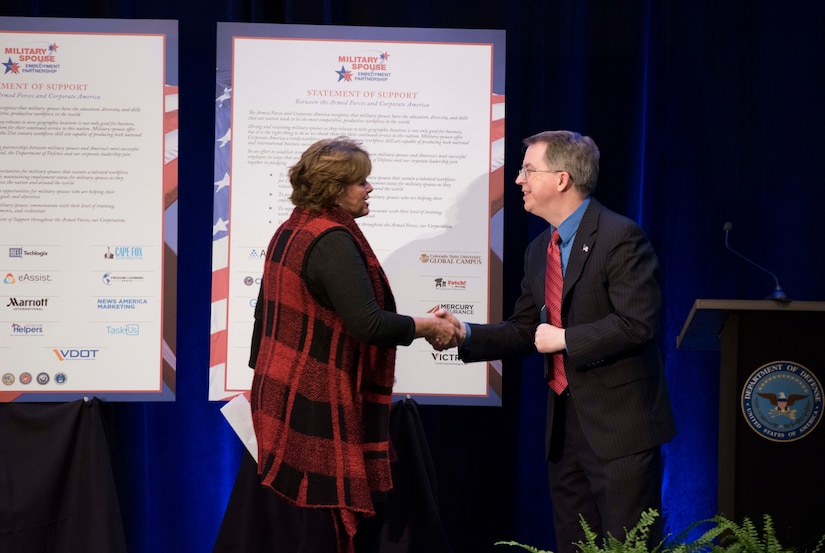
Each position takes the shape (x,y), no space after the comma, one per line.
(705,112)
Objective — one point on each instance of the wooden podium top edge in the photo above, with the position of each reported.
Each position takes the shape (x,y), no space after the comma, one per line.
(706,318)
(759,305)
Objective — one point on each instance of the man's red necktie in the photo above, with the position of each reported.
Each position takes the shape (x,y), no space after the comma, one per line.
(553,283)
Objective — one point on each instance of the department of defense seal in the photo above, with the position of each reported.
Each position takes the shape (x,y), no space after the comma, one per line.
(782,401)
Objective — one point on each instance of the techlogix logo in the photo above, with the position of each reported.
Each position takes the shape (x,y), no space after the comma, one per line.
(75,354)
(21,252)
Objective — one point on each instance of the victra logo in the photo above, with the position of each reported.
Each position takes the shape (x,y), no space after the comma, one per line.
(72,354)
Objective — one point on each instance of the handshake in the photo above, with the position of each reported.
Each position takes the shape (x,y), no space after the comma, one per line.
(443,330)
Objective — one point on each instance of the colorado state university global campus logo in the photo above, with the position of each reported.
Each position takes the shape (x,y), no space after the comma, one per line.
(782,401)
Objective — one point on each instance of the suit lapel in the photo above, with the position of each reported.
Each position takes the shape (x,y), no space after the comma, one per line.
(582,246)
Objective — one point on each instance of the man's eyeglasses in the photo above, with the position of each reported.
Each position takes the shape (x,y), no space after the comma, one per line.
(525,173)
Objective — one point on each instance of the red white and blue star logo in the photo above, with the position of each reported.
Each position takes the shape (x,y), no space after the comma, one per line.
(11,66)
(344,74)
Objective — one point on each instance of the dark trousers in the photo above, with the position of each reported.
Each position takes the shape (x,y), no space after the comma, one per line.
(610,494)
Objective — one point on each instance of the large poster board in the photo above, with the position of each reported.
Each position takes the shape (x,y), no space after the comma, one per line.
(88,209)
(428,106)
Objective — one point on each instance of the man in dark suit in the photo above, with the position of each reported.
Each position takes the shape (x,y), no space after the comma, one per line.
(610,410)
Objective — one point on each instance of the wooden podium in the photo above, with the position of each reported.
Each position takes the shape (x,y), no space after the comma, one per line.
(772,353)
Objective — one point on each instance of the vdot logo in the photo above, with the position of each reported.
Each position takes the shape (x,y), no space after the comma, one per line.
(73,354)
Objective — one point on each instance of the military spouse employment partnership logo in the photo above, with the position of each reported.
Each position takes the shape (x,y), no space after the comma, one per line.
(369,65)
(32,57)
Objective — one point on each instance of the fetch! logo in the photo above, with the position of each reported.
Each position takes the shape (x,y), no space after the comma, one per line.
(73,354)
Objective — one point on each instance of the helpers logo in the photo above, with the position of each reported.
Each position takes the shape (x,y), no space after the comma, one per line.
(26,329)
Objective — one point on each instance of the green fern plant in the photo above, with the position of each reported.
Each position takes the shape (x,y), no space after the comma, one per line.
(724,536)
(527,547)
(635,539)
(745,537)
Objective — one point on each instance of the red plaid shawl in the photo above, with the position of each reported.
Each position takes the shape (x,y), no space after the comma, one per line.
(320,398)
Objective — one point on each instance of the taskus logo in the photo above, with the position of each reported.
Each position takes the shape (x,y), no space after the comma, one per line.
(72,354)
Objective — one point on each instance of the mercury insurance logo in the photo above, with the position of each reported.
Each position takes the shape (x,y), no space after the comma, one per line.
(782,401)
(32,57)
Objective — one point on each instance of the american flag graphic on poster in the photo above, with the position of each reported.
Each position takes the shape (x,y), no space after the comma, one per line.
(106,260)
(220,236)
(261,127)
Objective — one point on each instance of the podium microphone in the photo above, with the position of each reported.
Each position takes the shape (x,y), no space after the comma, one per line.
(778,293)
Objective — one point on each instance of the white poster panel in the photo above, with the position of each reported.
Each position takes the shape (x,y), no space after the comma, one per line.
(424,106)
(88,145)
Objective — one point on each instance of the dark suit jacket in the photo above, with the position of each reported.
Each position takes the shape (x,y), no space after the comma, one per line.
(611,308)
